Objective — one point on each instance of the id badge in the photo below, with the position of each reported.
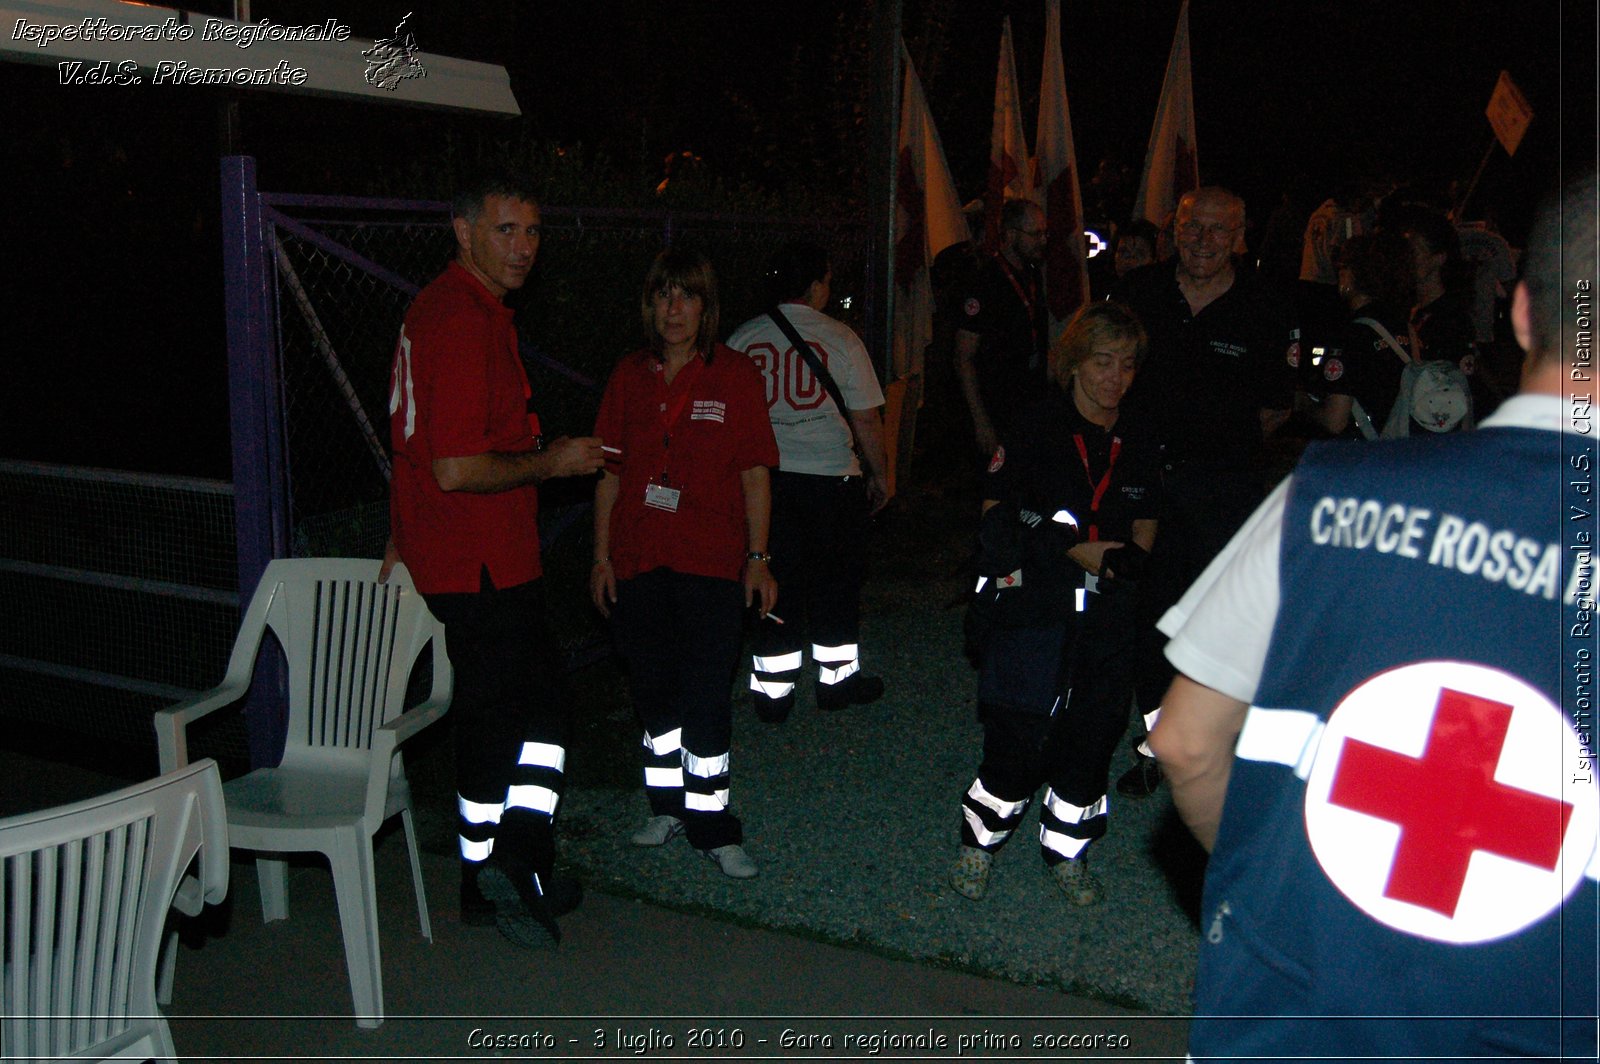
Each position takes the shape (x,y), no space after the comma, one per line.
(661,497)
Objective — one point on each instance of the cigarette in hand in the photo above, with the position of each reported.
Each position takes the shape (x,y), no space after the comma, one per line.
(774,618)
(610,450)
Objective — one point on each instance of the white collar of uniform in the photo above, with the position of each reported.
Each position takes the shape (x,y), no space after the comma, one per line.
(1553,413)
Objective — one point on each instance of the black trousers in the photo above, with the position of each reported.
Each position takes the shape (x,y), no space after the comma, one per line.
(818,544)
(1069,748)
(510,719)
(680,636)
(1201,510)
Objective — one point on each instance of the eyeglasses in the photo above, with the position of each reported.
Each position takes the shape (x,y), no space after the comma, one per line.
(1194,230)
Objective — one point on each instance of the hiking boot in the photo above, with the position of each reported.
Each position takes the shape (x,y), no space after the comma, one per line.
(1081,886)
(1142,780)
(858,689)
(734,862)
(657,831)
(562,895)
(969,876)
(523,914)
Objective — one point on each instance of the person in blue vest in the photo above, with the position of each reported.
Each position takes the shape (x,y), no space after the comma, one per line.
(1394,773)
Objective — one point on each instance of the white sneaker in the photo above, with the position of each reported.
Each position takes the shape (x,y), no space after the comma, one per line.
(658,831)
(734,862)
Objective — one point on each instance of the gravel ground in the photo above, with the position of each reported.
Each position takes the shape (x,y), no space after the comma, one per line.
(853,817)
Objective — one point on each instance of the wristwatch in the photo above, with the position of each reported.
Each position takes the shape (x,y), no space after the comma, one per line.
(759,556)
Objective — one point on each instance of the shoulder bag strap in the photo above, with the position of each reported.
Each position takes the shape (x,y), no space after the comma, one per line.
(817,368)
(1388,337)
(1363,420)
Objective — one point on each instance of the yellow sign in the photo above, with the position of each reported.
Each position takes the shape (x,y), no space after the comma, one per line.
(1508,113)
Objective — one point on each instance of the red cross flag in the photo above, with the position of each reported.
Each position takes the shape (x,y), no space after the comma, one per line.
(1444,802)
(1010,171)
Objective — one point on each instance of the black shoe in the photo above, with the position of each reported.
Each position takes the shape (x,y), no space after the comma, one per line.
(563,894)
(858,690)
(476,910)
(523,913)
(1142,780)
(772,710)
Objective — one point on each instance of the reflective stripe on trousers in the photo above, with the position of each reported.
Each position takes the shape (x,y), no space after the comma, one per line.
(670,767)
(988,821)
(1065,830)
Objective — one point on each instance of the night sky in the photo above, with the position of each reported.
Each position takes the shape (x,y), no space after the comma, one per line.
(113,298)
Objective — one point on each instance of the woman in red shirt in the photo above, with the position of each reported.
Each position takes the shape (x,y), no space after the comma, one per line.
(680,539)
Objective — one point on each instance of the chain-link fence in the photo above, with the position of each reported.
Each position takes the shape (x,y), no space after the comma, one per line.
(120,593)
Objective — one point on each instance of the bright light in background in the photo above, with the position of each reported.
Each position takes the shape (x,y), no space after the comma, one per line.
(844,302)
(1095,242)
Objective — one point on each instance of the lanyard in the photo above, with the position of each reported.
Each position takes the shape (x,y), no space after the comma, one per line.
(1027,304)
(1105,481)
(672,409)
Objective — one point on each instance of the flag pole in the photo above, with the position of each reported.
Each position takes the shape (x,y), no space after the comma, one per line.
(1461,204)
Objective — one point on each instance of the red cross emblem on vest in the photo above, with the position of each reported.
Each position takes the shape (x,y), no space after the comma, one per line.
(1446,800)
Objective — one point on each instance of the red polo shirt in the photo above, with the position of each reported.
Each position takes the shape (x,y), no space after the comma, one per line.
(458,389)
(695,436)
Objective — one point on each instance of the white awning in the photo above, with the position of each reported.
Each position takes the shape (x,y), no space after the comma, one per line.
(177,50)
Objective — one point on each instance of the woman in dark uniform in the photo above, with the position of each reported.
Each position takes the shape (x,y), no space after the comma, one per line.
(1054,698)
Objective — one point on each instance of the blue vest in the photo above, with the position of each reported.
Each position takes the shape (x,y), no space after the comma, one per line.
(1422,586)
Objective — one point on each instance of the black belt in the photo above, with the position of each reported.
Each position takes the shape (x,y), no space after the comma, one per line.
(829,477)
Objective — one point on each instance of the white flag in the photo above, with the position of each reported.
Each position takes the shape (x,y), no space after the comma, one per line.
(927,220)
(1172,161)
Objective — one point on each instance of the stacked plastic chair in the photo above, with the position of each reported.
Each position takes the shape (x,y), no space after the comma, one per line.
(85,894)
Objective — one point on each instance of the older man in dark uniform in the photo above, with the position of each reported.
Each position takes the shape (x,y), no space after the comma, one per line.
(1217,383)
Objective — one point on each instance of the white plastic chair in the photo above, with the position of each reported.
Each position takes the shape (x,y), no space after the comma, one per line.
(85,891)
(351,643)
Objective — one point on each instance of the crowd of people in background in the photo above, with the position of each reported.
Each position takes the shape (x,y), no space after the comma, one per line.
(1376,326)
(1114,457)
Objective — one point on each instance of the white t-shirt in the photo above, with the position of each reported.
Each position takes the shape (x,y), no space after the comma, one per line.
(813,435)
(1222,626)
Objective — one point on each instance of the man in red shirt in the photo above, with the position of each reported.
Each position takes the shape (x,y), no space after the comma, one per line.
(464,505)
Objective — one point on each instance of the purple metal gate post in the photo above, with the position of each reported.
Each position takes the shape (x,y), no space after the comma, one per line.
(260,472)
